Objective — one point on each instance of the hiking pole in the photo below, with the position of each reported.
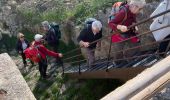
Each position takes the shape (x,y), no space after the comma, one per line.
(110,47)
(79,64)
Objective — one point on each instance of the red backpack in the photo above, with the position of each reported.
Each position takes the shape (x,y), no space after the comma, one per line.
(116,8)
(33,53)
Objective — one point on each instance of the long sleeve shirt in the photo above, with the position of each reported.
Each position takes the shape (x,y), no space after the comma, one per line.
(44,51)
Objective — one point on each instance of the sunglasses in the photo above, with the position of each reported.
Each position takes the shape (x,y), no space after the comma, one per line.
(22,37)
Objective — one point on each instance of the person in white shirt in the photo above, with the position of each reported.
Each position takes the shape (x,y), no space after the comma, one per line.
(21,45)
(159,22)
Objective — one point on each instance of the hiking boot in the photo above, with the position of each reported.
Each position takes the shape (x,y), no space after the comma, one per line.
(43,78)
(46,77)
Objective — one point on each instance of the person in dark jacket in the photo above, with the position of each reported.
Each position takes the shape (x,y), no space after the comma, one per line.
(88,35)
(50,36)
(21,45)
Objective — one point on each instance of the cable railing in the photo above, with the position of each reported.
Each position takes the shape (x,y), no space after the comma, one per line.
(109,57)
(149,32)
(135,47)
(134,57)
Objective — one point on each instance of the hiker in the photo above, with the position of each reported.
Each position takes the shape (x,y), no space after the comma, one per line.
(160,22)
(21,45)
(40,57)
(88,35)
(124,18)
(50,36)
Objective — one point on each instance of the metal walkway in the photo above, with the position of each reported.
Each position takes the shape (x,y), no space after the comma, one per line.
(107,68)
(124,70)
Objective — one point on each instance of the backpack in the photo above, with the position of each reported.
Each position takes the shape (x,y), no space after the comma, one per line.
(116,8)
(89,21)
(56,28)
(33,53)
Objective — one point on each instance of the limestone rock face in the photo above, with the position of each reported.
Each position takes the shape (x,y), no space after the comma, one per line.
(12,84)
(8,17)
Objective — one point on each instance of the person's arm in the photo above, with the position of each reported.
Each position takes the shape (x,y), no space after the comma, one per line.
(48,52)
(81,39)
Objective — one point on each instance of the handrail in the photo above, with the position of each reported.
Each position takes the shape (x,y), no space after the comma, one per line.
(128,57)
(141,22)
(122,58)
(148,32)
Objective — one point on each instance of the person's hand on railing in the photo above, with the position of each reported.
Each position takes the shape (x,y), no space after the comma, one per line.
(60,55)
(122,28)
(84,44)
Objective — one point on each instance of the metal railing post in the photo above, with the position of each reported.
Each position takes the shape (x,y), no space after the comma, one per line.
(108,58)
(79,68)
(79,65)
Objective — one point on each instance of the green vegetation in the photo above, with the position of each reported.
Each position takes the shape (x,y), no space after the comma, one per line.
(49,89)
(89,8)
(75,90)
(28,35)
(90,89)
(34,15)
(7,43)
(82,9)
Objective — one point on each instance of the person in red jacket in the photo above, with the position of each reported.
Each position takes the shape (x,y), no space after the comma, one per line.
(132,9)
(124,18)
(43,52)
